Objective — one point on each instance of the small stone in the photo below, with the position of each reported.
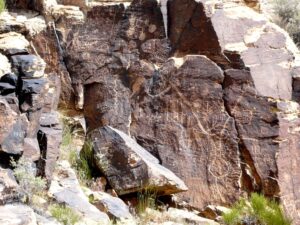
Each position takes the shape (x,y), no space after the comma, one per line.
(152,28)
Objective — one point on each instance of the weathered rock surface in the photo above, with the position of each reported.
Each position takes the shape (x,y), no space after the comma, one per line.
(13,43)
(13,127)
(49,138)
(5,65)
(8,186)
(25,92)
(29,66)
(17,214)
(188,217)
(65,188)
(46,221)
(211,118)
(215,102)
(112,206)
(128,166)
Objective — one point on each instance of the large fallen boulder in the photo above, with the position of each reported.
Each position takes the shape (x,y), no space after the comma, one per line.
(128,166)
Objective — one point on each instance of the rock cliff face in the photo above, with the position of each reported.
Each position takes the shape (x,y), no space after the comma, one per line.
(26,95)
(209,88)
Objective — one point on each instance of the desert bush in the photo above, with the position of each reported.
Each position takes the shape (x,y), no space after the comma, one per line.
(146,199)
(2,6)
(64,214)
(29,184)
(85,162)
(258,210)
(287,15)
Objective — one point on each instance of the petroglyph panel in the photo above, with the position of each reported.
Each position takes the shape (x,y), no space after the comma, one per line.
(190,125)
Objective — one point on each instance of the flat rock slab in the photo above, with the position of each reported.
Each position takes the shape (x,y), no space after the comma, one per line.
(128,166)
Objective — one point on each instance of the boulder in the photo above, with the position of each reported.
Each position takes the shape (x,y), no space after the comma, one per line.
(31,149)
(5,65)
(29,66)
(79,3)
(49,138)
(6,88)
(23,22)
(8,23)
(16,214)
(67,14)
(32,94)
(13,43)
(128,166)
(9,78)
(13,127)
(112,206)
(8,186)
(65,188)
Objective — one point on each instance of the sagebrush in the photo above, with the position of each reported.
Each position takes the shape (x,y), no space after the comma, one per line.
(287,15)
(64,214)
(257,210)
(29,184)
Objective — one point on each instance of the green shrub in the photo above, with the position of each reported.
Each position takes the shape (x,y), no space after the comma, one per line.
(287,15)
(2,6)
(64,214)
(258,210)
(29,184)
